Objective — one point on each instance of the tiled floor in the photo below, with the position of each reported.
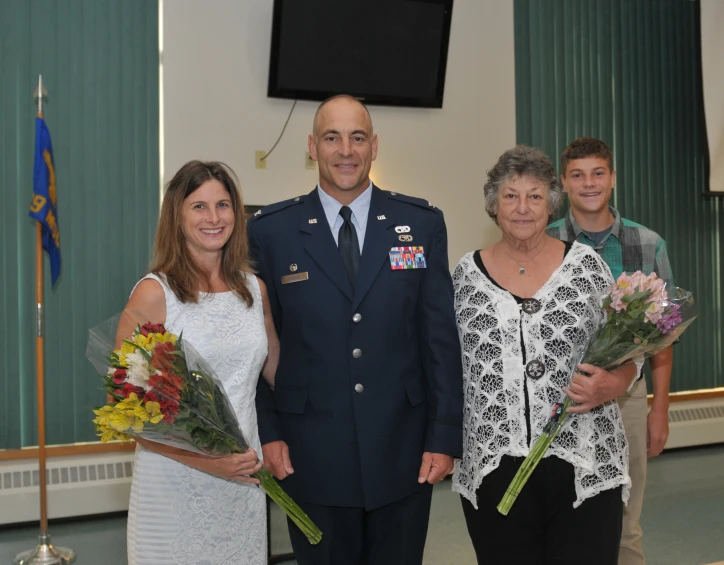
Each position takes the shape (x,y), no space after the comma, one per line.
(683,520)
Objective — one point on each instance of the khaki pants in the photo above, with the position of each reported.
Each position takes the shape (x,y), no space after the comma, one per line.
(634,410)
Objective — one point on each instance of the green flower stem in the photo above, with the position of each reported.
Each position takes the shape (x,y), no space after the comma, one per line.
(531,461)
(291,508)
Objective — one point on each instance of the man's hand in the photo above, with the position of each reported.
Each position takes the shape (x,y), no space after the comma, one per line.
(435,467)
(601,386)
(276,459)
(657,431)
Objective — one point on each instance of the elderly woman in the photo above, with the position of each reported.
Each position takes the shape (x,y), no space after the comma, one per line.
(526,307)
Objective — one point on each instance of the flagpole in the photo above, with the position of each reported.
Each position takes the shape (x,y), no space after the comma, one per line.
(40,353)
(45,553)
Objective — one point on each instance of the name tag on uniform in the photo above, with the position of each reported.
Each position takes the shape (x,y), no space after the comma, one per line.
(296,277)
(407,258)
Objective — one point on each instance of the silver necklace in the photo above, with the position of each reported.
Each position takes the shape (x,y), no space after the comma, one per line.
(521,265)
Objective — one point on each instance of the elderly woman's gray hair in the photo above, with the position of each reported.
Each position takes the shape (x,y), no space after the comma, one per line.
(522,161)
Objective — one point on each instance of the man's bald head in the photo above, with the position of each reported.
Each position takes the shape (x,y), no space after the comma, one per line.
(344,146)
(348,98)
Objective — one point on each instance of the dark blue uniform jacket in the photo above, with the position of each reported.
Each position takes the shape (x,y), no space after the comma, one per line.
(369,378)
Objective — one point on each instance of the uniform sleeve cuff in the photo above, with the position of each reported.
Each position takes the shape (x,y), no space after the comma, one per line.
(444,438)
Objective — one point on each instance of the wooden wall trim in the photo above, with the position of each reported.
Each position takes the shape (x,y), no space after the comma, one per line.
(114,447)
(67,450)
(686,395)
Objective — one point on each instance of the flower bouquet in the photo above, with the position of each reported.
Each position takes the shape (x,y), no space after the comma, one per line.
(160,389)
(641,319)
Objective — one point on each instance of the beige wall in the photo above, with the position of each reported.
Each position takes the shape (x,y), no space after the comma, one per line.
(712,47)
(215,66)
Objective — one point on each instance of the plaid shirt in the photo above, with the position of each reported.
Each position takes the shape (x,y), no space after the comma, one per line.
(629,247)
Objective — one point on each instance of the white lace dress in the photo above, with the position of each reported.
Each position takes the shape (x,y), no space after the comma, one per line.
(178,515)
(490,324)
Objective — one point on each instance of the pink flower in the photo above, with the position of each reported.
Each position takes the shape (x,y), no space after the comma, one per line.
(654,284)
(625,285)
(639,281)
(628,285)
(654,312)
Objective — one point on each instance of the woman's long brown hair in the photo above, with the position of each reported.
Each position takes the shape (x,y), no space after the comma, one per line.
(171,256)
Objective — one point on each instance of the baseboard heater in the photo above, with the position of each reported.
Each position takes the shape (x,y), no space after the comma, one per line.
(77,486)
(96,484)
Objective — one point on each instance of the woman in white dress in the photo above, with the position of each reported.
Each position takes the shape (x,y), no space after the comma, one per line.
(187,508)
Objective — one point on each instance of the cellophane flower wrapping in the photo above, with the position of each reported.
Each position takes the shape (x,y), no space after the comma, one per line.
(641,317)
(161,389)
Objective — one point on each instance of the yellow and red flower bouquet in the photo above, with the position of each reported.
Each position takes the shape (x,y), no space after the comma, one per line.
(160,389)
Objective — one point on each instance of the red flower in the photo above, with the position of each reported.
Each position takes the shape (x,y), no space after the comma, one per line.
(162,358)
(166,384)
(119,377)
(128,388)
(150,328)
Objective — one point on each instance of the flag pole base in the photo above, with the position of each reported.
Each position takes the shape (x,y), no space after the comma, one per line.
(45,554)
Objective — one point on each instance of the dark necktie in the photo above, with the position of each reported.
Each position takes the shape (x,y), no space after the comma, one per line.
(349,244)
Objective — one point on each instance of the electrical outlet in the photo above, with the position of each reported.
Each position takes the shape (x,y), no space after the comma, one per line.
(310,163)
(260,164)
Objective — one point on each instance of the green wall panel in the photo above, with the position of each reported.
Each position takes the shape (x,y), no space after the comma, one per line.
(629,72)
(99,61)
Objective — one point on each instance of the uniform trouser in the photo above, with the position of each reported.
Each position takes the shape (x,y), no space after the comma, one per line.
(392,535)
(634,410)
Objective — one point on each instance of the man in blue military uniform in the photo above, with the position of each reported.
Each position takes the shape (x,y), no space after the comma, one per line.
(366,409)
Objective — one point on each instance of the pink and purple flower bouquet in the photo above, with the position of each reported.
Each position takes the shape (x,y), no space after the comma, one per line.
(642,317)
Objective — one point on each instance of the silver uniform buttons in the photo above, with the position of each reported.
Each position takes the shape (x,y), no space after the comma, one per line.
(358,388)
(357,317)
(357,353)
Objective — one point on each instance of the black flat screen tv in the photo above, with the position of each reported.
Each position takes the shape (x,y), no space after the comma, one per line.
(389,52)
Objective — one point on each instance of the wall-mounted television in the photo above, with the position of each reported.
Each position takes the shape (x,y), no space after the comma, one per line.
(389,52)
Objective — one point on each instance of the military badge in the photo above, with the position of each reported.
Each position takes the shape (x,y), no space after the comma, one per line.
(407,258)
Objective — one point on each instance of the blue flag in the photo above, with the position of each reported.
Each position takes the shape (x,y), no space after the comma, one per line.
(44,207)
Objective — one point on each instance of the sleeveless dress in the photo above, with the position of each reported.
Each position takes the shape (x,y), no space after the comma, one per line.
(181,516)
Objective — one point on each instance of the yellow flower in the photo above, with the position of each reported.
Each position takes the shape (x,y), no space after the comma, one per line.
(126,349)
(103,414)
(163,338)
(107,434)
(104,427)
(142,341)
(154,412)
(148,342)
(129,414)
(120,422)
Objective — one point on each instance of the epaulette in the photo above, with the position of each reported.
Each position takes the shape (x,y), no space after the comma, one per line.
(421,202)
(276,207)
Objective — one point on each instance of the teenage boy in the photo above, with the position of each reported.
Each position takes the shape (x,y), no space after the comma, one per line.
(588,178)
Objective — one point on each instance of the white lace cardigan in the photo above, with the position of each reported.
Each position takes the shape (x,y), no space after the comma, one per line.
(489,325)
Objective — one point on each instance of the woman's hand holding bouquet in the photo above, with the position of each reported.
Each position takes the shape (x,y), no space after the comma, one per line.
(162,391)
(641,319)
(591,386)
